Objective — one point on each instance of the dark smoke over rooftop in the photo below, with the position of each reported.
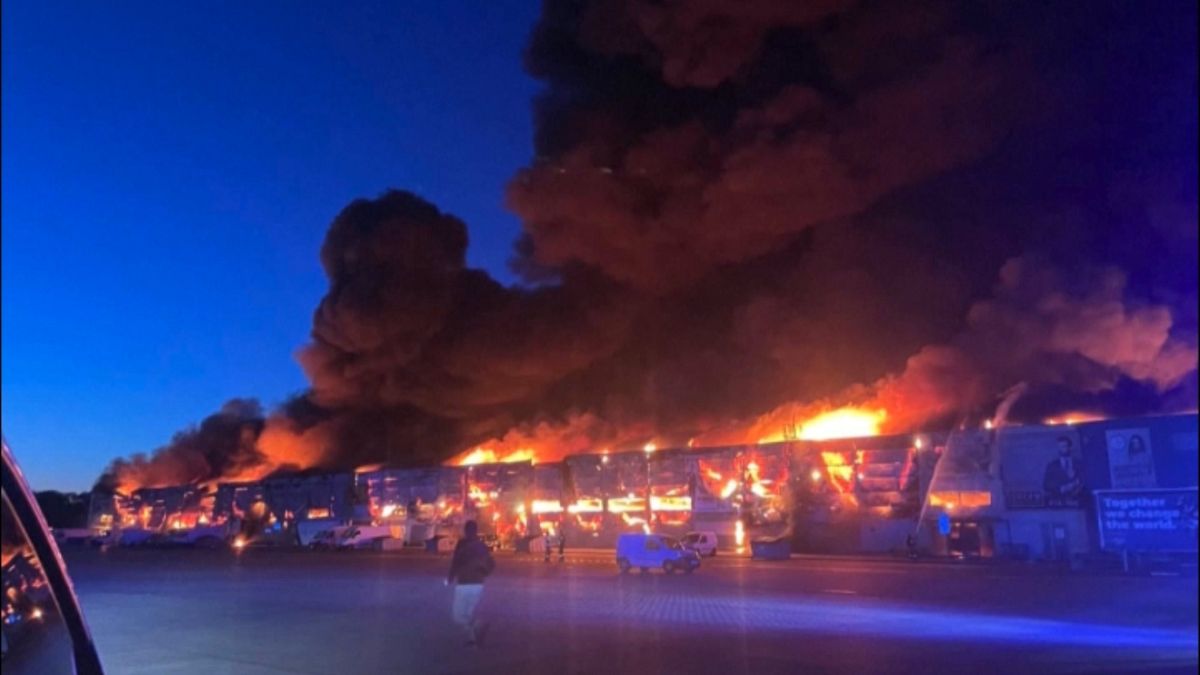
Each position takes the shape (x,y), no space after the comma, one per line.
(741,212)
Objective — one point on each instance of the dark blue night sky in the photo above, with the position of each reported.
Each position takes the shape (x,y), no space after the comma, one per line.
(171,168)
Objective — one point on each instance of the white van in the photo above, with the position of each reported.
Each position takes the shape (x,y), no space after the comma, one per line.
(646,551)
(327,538)
(316,531)
(703,543)
(363,536)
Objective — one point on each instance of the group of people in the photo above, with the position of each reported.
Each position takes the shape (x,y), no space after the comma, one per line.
(548,545)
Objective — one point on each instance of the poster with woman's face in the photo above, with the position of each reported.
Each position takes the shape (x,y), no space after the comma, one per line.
(1130,460)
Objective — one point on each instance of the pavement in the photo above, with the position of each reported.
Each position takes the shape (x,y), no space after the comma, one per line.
(295,611)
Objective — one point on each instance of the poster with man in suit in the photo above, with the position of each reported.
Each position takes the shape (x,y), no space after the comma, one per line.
(1062,480)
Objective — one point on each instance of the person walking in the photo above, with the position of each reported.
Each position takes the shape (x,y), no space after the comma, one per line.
(546,547)
(562,545)
(471,564)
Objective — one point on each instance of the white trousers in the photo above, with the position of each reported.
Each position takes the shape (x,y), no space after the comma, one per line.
(466,600)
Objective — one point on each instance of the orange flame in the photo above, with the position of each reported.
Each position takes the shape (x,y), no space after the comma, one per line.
(483,455)
(1074,417)
(848,422)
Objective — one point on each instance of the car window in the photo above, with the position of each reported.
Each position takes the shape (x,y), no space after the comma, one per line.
(691,538)
(35,637)
(651,544)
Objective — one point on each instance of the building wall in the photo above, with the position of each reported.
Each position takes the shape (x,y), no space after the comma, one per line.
(1171,441)
(845,496)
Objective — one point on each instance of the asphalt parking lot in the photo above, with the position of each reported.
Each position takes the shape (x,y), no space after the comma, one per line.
(292,611)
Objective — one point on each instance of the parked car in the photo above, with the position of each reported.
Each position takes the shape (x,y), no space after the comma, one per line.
(201,536)
(703,543)
(72,536)
(646,551)
(307,532)
(43,627)
(135,537)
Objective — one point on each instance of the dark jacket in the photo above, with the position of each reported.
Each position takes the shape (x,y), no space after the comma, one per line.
(1058,484)
(472,562)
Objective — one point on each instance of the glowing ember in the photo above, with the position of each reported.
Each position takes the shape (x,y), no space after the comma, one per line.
(586,506)
(670,503)
(36,614)
(1074,418)
(546,506)
(626,505)
(649,447)
(635,521)
(846,422)
(729,489)
(739,535)
(239,543)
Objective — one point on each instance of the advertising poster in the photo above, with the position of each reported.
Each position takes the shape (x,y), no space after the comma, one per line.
(1147,520)
(1041,469)
(1130,458)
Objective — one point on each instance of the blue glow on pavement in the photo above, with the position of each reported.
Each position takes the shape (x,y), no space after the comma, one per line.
(862,617)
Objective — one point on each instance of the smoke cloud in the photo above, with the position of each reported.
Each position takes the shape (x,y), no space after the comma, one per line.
(223,445)
(742,213)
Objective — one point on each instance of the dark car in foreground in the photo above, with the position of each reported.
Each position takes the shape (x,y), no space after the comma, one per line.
(43,627)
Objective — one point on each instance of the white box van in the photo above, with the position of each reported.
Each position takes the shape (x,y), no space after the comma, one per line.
(703,543)
(646,551)
(363,536)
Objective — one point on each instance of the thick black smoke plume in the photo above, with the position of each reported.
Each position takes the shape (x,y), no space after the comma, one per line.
(739,212)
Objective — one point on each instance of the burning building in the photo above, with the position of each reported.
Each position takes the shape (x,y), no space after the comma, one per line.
(793,238)
(404,498)
(756,242)
(498,497)
(1020,491)
(159,509)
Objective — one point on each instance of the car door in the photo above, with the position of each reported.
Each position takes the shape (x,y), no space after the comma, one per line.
(43,627)
(652,552)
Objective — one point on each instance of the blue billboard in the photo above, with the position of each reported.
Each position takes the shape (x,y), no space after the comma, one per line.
(1162,520)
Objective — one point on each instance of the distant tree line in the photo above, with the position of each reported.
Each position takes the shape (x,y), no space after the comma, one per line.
(64,509)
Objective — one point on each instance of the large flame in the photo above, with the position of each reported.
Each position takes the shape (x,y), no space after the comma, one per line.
(1074,417)
(483,455)
(547,444)
(844,422)
(848,422)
